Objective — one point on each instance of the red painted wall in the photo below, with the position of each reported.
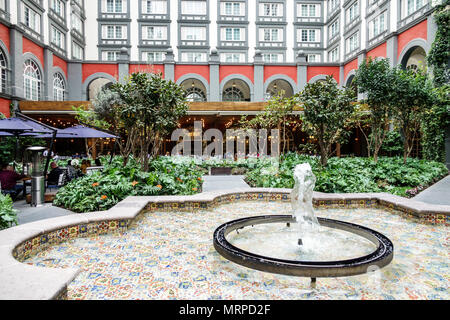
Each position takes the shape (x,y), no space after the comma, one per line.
(30,46)
(4,106)
(202,70)
(58,62)
(418,31)
(247,71)
(91,68)
(147,68)
(352,65)
(329,70)
(4,35)
(380,51)
(290,71)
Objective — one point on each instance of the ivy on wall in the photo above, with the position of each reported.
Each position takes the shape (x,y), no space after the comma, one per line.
(436,119)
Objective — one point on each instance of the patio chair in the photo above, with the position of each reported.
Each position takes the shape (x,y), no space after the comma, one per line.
(61,182)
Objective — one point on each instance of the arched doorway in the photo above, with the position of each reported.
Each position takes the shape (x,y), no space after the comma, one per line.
(195,90)
(279,86)
(97,85)
(236,90)
(414,58)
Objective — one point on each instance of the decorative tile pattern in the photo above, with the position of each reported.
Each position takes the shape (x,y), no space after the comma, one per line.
(169,255)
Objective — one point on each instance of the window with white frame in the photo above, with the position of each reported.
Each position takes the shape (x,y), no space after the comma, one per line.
(3,5)
(3,72)
(308,10)
(411,6)
(154,7)
(193,7)
(271,9)
(271,34)
(377,25)
(232,8)
(151,57)
(333,4)
(110,55)
(77,23)
(313,57)
(193,33)
(334,29)
(58,38)
(31,19)
(31,80)
(114,6)
(154,33)
(308,35)
(114,32)
(59,87)
(353,12)
(231,57)
(333,55)
(273,57)
(232,34)
(352,43)
(193,57)
(77,51)
(59,7)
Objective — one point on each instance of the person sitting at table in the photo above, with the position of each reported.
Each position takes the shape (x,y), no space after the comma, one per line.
(83,166)
(98,163)
(53,176)
(8,180)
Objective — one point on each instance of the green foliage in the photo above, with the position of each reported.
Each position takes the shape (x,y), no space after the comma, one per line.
(102,190)
(8,147)
(439,54)
(327,110)
(373,79)
(434,121)
(348,175)
(8,216)
(393,144)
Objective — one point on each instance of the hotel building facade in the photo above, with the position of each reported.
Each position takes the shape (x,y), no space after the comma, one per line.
(229,55)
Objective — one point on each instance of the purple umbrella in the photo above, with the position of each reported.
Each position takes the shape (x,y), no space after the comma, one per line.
(80,131)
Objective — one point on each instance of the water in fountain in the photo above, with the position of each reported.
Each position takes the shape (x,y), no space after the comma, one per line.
(301,199)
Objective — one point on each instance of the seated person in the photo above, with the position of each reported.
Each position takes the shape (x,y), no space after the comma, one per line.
(8,180)
(53,176)
(98,163)
(72,170)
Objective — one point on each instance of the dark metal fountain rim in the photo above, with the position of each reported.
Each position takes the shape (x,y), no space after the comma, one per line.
(380,257)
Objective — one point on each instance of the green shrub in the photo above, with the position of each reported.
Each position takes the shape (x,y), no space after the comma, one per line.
(102,190)
(8,216)
(348,175)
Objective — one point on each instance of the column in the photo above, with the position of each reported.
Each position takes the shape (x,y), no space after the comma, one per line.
(302,69)
(391,50)
(169,65)
(75,81)
(16,62)
(214,76)
(48,74)
(258,76)
(124,65)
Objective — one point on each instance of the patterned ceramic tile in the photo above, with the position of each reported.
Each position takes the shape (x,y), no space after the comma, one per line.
(170,255)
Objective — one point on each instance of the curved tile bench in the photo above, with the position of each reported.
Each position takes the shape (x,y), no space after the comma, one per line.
(22,281)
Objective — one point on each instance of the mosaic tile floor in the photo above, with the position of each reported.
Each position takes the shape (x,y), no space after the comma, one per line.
(169,255)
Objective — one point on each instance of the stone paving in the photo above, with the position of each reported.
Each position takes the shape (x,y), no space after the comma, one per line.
(439,193)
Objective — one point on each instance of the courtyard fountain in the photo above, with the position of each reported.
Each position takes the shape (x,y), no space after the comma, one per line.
(301,244)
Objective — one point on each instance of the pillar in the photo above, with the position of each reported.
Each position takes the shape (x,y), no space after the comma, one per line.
(124,65)
(258,76)
(214,76)
(48,74)
(302,70)
(169,65)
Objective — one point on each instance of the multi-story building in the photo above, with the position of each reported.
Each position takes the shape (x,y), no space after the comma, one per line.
(218,50)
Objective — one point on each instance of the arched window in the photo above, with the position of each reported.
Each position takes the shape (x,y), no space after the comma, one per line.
(233,94)
(59,87)
(195,94)
(31,80)
(3,67)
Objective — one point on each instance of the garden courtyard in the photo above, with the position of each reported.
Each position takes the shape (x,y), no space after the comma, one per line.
(141,223)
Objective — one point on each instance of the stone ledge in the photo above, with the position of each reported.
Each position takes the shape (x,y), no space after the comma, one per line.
(22,281)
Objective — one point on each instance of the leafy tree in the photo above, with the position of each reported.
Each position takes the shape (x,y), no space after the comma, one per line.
(150,110)
(411,94)
(277,114)
(327,110)
(373,79)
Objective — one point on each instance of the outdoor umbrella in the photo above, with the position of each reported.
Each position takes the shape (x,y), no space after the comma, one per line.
(81,131)
(21,125)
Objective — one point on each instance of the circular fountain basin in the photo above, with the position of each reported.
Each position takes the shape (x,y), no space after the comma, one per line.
(379,254)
